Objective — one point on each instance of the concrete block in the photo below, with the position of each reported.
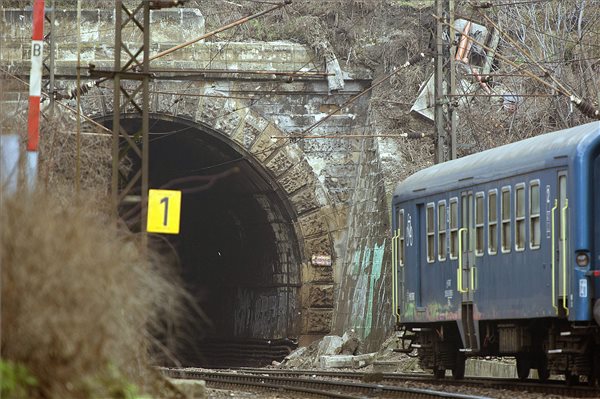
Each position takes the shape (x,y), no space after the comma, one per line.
(339,361)
(488,368)
(330,345)
(386,366)
(359,361)
(296,354)
(346,361)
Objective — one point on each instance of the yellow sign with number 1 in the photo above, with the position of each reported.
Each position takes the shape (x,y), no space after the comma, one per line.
(164,209)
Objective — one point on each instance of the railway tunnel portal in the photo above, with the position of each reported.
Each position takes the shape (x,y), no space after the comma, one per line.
(247,242)
(239,250)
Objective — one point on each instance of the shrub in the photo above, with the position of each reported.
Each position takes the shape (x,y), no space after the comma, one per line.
(80,300)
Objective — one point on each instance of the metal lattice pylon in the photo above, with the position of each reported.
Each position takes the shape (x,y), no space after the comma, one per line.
(131,91)
(48,62)
(445,83)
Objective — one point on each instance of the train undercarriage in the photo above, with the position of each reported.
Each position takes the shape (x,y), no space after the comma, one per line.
(548,346)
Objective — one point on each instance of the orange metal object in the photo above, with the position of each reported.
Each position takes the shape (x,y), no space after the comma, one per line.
(462,52)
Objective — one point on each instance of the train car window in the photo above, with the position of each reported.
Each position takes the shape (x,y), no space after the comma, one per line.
(442,230)
(453,228)
(520,217)
(430,232)
(401,237)
(534,215)
(562,190)
(479,224)
(562,200)
(505,206)
(493,222)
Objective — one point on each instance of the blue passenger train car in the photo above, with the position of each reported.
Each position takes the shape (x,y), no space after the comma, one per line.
(498,254)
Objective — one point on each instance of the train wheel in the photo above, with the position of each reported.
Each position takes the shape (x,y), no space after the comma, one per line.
(523,366)
(458,372)
(571,379)
(542,368)
(439,373)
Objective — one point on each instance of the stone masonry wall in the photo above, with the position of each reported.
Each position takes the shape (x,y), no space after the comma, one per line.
(363,301)
(333,184)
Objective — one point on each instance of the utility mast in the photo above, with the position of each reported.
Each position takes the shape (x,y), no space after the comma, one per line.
(445,83)
(131,88)
(131,98)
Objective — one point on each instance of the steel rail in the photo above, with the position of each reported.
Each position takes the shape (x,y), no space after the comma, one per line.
(549,387)
(327,388)
(261,385)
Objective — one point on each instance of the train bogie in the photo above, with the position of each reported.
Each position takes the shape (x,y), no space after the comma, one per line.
(498,254)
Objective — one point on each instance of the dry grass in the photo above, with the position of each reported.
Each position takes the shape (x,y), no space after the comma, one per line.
(80,301)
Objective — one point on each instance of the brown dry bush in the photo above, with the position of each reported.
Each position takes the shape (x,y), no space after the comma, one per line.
(80,300)
(58,155)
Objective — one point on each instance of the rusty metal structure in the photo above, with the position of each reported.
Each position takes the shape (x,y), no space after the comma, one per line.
(48,62)
(131,79)
(445,84)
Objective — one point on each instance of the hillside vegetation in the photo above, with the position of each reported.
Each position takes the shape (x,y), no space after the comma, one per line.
(556,40)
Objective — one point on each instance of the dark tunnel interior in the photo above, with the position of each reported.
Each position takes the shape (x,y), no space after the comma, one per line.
(237,249)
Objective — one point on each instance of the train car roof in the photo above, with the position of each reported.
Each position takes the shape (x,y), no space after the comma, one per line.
(508,160)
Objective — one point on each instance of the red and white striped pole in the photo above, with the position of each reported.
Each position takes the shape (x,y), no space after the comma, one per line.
(35,91)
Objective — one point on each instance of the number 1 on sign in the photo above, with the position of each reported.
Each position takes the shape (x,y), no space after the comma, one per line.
(164,207)
(165,200)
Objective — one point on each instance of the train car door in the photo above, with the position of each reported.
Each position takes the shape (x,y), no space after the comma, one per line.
(420,250)
(466,246)
(596,255)
(468,327)
(561,243)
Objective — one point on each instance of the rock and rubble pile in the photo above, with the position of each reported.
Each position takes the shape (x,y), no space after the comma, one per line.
(334,351)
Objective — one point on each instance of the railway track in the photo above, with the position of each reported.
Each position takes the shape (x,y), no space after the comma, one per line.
(308,385)
(554,387)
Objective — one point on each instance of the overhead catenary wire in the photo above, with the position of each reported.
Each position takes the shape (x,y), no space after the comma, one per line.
(85,88)
(68,108)
(416,58)
(354,136)
(526,54)
(195,40)
(490,4)
(586,107)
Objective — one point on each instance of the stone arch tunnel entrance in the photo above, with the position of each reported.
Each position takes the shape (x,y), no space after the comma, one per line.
(238,250)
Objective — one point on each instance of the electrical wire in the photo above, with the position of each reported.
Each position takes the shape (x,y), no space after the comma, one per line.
(583,105)
(255,1)
(490,4)
(46,95)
